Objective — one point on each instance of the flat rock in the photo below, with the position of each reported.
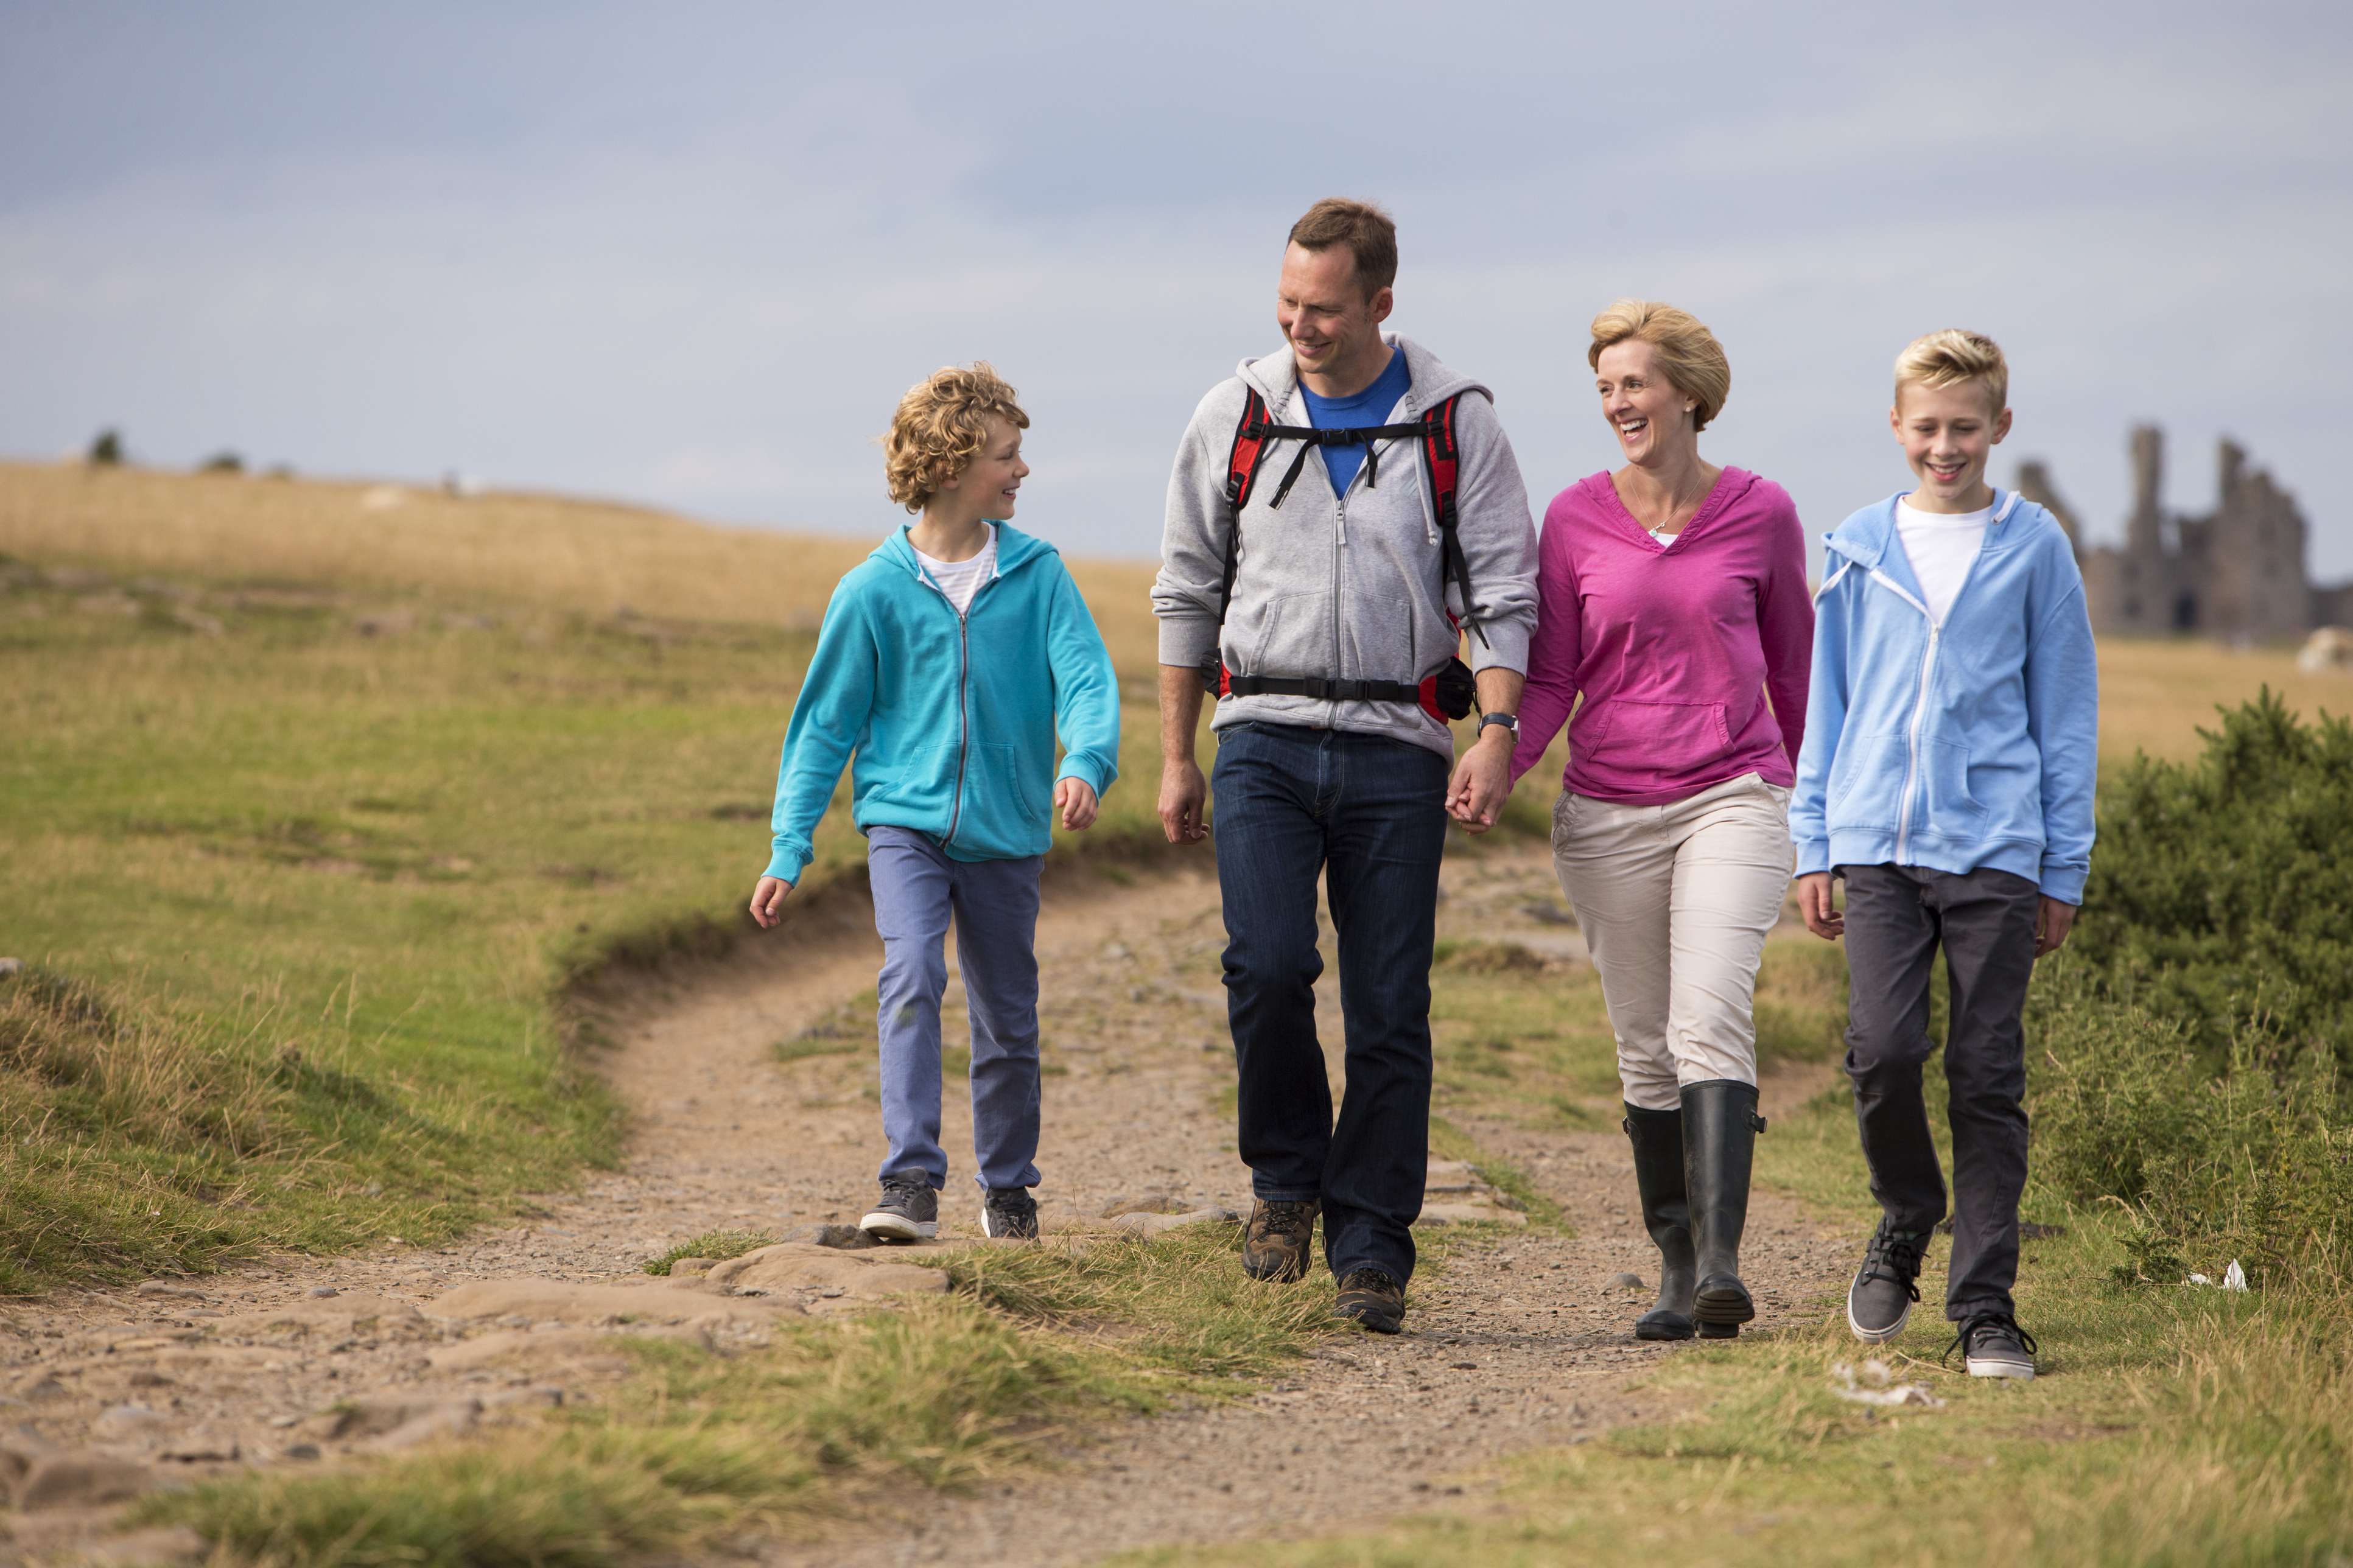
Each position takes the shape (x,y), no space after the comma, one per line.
(1622,1282)
(828,1280)
(1149,1202)
(848,1237)
(79,1478)
(379,1415)
(1157,1224)
(123,1421)
(539,1299)
(1469,1214)
(518,1344)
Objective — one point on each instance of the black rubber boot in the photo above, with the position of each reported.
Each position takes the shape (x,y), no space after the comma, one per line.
(1658,1140)
(1720,1127)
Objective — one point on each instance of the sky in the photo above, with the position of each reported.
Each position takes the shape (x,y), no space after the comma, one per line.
(691,255)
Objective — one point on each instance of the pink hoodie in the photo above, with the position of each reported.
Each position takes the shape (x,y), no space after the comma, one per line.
(1674,646)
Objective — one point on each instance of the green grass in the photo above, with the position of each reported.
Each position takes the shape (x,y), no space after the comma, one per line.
(335,893)
(718,1245)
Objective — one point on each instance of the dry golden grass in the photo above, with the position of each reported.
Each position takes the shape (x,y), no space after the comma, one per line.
(589,557)
(2156,696)
(592,557)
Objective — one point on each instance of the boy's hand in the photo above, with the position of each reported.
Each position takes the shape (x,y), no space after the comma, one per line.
(2050,930)
(1184,795)
(1814,903)
(1075,799)
(768,901)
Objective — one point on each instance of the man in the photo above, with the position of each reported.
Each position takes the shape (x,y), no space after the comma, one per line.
(1348,579)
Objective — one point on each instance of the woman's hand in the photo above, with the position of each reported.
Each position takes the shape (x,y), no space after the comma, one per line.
(768,901)
(1814,903)
(1075,799)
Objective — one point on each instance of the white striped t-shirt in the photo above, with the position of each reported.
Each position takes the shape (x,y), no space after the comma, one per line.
(960,580)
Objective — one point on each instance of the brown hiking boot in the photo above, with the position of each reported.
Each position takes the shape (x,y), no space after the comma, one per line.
(1275,1246)
(1373,1299)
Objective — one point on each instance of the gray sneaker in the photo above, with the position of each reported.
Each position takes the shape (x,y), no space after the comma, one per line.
(1009,1212)
(908,1210)
(1880,1301)
(1993,1345)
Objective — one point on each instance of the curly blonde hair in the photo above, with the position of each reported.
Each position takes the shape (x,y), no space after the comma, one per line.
(942,426)
(1952,356)
(1687,351)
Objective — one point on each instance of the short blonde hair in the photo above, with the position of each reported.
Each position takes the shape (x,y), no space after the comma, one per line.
(1951,357)
(1687,351)
(942,426)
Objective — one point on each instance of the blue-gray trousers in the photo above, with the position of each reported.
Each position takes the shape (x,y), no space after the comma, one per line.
(994,903)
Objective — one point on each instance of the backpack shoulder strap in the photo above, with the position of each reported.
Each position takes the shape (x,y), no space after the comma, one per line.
(1250,435)
(1442,456)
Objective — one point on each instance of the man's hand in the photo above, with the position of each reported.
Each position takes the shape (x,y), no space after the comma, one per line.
(2051,927)
(1075,799)
(768,901)
(1814,903)
(1184,793)
(1482,780)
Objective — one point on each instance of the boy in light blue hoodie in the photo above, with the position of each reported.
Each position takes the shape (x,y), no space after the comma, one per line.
(1951,746)
(948,660)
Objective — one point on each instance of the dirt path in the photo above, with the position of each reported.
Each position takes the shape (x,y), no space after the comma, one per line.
(1515,1343)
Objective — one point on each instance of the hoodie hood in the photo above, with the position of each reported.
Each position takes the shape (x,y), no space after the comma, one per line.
(1276,377)
(1015,550)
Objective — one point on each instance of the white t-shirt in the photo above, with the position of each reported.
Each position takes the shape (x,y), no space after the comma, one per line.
(960,580)
(1941,550)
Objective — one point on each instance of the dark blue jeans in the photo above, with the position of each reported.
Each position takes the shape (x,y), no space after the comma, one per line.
(1368,814)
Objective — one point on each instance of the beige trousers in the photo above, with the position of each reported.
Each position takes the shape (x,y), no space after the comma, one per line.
(1674,901)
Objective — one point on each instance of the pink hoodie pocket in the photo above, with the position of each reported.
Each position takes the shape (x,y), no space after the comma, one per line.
(1654,741)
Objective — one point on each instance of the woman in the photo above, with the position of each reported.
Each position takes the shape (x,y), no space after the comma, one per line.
(1671,597)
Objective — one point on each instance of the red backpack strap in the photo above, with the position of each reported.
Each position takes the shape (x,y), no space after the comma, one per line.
(1250,437)
(1442,456)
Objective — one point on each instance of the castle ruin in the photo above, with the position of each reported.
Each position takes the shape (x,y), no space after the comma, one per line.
(2236,573)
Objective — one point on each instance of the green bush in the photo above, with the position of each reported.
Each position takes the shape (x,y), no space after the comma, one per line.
(2185,1051)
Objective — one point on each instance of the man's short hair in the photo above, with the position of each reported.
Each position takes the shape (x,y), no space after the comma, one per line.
(1363,228)
(1951,357)
(942,426)
(1688,352)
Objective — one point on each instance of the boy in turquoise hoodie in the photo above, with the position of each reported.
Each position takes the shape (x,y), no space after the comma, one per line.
(948,661)
(1952,738)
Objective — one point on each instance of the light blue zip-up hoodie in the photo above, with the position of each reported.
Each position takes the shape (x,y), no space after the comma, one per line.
(952,718)
(1955,745)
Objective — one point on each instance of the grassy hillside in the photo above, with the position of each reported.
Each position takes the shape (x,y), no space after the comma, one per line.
(312,810)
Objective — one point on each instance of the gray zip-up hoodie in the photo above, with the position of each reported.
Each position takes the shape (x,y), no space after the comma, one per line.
(1348,587)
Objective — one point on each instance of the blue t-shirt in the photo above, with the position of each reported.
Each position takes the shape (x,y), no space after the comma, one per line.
(1369,408)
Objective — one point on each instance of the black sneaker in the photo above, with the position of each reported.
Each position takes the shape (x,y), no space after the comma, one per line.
(1276,1245)
(1009,1212)
(908,1210)
(1993,1345)
(1879,1303)
(1373,1299)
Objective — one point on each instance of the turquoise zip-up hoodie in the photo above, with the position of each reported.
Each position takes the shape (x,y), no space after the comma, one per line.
(952,718)
(1973,742)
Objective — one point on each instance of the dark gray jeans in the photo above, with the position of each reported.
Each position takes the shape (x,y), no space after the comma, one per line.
(1896,918)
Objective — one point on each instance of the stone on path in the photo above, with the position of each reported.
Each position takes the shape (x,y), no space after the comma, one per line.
(1147,1224)
(825,1279)
(1149,1202)
(1622,1282)
(78,1478)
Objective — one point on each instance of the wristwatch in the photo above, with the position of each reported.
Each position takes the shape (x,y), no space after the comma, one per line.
(1508,720)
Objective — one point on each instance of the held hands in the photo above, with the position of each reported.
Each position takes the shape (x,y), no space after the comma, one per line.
(1482,780)
(1184,798)
(768,901)
(1075,800)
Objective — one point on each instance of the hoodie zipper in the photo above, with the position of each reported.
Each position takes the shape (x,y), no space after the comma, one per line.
(964,681)
(1927,669)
